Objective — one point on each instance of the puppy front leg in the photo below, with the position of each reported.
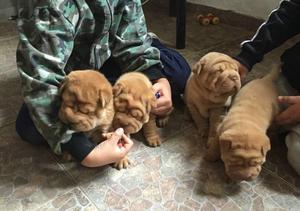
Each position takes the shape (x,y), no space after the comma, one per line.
(161,121)
(124,162)
(213,149)
(200,121)
(150,133)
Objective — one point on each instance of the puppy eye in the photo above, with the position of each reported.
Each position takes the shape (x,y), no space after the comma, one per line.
(120,105)
(74,107)
(86,108)
(237,162)
(255,162)
(234,78)
(121,109)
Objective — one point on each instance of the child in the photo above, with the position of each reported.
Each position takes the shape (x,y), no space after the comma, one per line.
(282,24)
(111,36)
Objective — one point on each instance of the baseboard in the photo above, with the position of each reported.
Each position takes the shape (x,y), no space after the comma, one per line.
(6,13)
(226,16)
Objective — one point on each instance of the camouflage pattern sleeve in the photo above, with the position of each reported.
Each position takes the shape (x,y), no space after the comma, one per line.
(132,46)
(46,42)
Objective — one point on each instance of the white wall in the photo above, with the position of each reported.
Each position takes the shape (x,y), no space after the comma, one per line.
(255,8)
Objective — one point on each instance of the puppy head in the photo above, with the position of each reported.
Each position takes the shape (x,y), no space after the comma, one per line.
(218,73)
(133,100)
(243,153)
(85,94)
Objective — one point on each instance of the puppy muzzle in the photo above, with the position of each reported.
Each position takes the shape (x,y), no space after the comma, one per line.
(243,173)
(129,124)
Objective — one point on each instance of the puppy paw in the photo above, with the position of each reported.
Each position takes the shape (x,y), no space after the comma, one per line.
(122,164)
(212,149)
(106,136)
(154,141)
(203,133)
(211,156)
(67,156)
(162,122)
(187,115)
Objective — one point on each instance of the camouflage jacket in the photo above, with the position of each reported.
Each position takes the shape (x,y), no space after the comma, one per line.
(64,35)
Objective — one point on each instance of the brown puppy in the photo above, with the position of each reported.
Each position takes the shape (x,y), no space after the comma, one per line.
(243,140)
(214,79)
(87,103)
(133,100)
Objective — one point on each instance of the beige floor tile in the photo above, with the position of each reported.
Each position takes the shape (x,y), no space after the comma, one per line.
(173,176)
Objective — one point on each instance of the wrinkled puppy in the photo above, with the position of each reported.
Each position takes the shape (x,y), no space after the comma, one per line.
(87,103)
(242,134)
(133,101)
(213,80)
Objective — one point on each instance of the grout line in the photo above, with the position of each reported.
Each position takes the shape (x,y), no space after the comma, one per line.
(7,124)
(51,200)
(176,133)
(282,179)
(8,38)
(66,172)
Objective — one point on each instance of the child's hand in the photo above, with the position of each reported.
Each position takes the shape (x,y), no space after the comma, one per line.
(164,102)
(109,151)
(291,115)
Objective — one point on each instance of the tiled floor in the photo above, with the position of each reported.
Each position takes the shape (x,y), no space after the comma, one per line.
(171,177)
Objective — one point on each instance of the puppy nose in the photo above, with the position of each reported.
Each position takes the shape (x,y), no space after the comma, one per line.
(252,177)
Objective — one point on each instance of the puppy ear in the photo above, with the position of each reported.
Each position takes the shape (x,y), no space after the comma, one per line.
(265,145)
(104,97)
(226,144)
(265,149)
(117,89)
(198,66)
(63,84)
(151,104)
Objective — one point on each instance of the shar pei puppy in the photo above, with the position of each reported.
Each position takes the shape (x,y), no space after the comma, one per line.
(208,92)
(133,100)
(87,103)
(242,134)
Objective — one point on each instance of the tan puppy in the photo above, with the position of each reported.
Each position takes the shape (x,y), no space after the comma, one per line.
(243,140)
(133,100)
(87,101)
(213,80)
(87,104)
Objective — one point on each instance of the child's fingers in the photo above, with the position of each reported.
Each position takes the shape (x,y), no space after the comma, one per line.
(164,105)
(289,99)
(127,143)
(162,110)
(117,135)
(289,116)
(107,135)
(157,87)
(282,119)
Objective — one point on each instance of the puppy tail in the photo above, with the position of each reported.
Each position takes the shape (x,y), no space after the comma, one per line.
(274,73)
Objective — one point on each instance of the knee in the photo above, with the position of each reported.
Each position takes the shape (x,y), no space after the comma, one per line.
(26,129)
(292,141)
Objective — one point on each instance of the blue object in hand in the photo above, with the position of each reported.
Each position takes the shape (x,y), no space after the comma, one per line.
(157,95)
